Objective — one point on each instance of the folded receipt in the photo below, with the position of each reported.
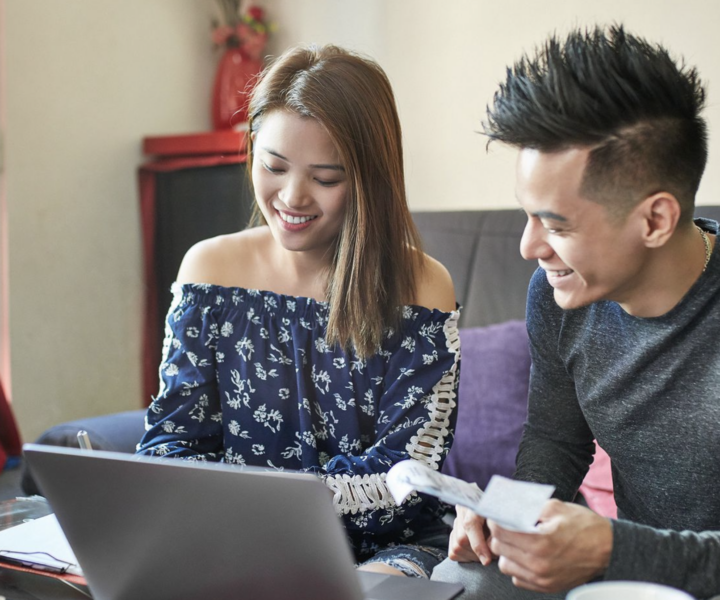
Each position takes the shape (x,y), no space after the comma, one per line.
(515,505)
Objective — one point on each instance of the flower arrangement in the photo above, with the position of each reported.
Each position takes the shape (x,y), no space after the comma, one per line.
(238,28)
(242,34)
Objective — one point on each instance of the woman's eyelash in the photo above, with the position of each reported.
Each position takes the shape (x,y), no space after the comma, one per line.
(271,169)
(323,182)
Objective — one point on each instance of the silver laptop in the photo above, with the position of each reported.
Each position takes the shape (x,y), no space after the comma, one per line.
(169,529)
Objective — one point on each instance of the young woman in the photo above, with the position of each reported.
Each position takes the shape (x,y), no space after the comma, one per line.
(347,361)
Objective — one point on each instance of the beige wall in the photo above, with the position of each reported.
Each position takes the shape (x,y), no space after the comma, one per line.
(4,312)
(445,59)
(87,79)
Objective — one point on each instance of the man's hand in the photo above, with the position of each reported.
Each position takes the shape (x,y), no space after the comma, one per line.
(572,547)
(470,538)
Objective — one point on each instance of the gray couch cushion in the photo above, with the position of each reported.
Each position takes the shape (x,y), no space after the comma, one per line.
(481,249)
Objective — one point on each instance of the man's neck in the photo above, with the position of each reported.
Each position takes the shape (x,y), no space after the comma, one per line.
(669,274)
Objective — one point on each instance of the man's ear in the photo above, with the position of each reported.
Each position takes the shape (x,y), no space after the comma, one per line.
(660,213)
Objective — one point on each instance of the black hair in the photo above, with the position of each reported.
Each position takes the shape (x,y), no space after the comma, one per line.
(629,101)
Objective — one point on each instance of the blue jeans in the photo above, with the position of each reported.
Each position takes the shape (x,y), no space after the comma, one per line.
(418,559)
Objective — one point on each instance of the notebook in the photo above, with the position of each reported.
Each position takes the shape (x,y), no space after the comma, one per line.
(157,528)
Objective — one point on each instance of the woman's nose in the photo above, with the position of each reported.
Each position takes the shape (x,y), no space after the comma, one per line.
(294,193)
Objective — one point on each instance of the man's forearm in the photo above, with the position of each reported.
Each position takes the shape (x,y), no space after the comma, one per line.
(683,559)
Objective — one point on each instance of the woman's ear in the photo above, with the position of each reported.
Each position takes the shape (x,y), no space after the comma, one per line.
(661,214)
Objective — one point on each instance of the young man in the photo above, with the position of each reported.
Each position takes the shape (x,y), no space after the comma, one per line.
(623,316)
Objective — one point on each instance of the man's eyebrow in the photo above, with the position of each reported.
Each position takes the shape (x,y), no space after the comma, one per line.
(546,214)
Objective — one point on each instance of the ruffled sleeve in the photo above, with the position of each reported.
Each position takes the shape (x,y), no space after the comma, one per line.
(184,420)
(415,415)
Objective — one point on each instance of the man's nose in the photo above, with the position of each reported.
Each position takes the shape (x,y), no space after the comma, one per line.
(533,244)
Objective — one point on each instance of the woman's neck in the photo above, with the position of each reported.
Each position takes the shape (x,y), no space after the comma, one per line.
(300,273)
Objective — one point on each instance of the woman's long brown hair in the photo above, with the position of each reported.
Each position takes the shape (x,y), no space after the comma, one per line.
(377,258)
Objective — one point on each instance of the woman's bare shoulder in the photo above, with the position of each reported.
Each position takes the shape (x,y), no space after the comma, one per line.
(435,286)
(225,260)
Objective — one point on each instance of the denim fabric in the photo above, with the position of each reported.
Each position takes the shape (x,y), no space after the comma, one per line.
(418,559)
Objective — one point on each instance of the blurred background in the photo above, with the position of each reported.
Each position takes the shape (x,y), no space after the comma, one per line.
(82,82)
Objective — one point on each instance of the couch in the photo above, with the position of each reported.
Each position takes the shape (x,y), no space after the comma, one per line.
(481,251)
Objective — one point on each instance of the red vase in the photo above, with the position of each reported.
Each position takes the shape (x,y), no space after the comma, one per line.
(235,78)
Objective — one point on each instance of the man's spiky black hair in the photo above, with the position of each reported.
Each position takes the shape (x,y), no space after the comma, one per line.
(626,99)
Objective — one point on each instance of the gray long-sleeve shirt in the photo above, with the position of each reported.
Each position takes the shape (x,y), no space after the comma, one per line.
(648,389)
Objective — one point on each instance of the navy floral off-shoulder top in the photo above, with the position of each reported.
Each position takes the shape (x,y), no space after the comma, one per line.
(248,378)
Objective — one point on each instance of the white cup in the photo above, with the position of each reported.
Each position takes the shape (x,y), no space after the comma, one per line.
(626,590)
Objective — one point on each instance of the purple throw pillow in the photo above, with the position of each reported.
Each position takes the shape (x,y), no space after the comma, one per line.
(492,406)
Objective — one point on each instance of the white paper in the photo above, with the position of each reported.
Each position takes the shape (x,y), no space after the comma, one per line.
(408,476)
(40,538)
(515,505)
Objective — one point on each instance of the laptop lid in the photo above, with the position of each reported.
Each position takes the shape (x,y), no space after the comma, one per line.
(145,527)
(168,529)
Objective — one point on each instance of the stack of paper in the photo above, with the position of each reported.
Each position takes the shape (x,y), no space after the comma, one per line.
(39,545)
